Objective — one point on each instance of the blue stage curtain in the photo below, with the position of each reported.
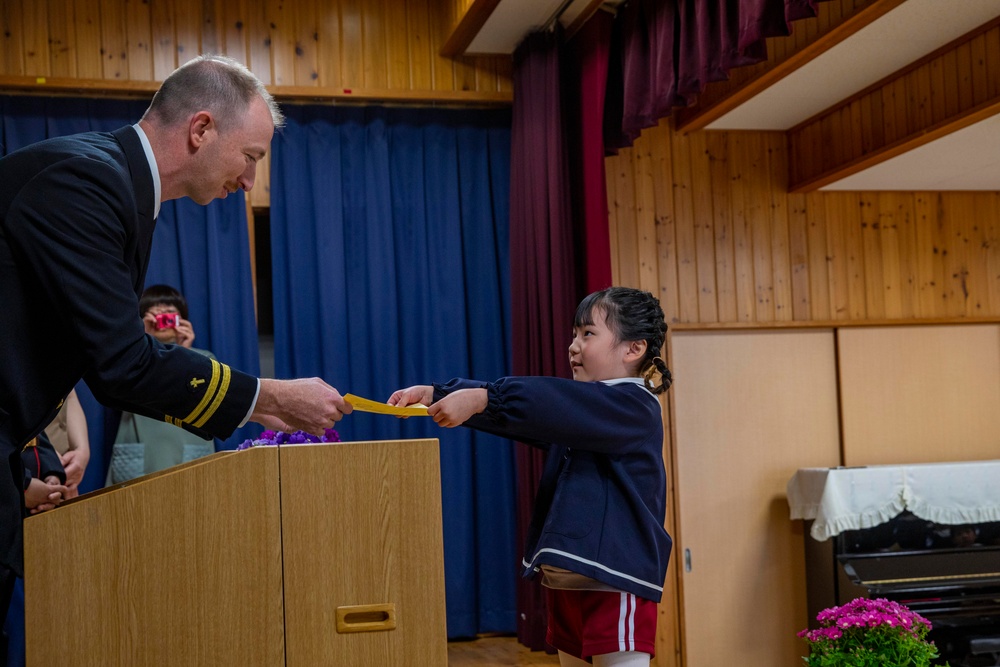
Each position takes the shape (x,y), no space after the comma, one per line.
(389,232)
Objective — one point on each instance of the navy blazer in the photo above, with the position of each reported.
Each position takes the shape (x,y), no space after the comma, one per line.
(76,226)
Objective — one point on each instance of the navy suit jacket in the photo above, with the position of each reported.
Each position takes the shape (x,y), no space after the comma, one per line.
(76,225)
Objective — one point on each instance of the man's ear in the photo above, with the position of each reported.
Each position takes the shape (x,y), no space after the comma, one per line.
(201,125)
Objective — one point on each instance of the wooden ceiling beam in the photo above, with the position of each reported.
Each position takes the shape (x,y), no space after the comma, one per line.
(947,90)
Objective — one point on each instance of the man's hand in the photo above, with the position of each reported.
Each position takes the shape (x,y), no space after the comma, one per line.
(307,404)
(456,408)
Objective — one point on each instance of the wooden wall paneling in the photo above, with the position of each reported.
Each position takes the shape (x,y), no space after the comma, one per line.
(35,25)
(351,44)
(799,256)
(757,202)
(283,38)
(894,232)
(374,42)
(62,40)
(421,49)
(738,441)
(937,75)
(963,59)
(306,31)
(687,251)
(746,293)
(164,40)
(953,258)
(704,227)
(645,219)
(927,255)
(978,73)
(780,258)
(987,214)
(666,219)
(213,39)
(187,29)
(139,38)
(114,42)
(851,211)
(628,249)
(234,29)
(992,43)
(919,394)
(329,46)
(11,47)
(837,253)
(398,47)
(717,144)
(872,256)
(259,37)
(922,99)
(616,217)
(820,261)
(442,67)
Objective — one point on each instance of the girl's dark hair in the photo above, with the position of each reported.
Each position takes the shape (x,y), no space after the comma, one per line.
(156,295)
(632,314)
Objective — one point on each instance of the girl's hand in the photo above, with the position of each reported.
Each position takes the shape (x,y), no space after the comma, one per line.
(41,496)
(418,393)
(456,408)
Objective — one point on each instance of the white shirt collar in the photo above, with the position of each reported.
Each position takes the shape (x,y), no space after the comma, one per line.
(630,380)
(148,150)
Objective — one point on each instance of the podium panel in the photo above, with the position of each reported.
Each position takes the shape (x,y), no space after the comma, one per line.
(248,558)
(368,523)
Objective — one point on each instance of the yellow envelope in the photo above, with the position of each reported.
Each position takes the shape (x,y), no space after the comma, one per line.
(368,405)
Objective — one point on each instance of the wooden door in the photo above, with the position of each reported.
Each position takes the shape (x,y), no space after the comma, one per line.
(751,408)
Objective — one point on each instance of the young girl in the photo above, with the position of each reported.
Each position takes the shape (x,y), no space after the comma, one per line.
(597,533)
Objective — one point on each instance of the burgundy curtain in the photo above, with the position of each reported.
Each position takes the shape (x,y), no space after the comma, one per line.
(586,58)
(543,293)
(667,52)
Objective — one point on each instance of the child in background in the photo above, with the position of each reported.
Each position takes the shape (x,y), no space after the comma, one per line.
(44,477)
(596,534)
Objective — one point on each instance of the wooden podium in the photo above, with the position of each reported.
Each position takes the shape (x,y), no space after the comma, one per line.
(295,555)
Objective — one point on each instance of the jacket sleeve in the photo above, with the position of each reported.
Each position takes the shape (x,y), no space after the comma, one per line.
(41,460)
(586,415)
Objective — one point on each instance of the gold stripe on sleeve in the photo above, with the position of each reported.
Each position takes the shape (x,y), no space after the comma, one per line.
(219,397)
(209,392)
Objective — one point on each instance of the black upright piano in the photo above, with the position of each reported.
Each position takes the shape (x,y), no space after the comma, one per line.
(948,573)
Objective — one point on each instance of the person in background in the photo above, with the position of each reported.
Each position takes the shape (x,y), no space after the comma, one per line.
(86,205)
(68,435)
(145,445)
(596,533)
(44,476)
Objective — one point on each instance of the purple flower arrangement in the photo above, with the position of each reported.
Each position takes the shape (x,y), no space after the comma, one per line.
(869,633)
(270,438)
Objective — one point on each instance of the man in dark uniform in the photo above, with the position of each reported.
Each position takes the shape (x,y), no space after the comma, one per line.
(76,224)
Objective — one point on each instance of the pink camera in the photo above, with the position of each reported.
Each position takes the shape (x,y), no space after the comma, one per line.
(166,321)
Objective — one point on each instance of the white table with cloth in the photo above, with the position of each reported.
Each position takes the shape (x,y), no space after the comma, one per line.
(839,499)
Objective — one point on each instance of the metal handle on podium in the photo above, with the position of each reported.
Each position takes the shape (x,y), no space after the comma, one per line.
(366,618)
